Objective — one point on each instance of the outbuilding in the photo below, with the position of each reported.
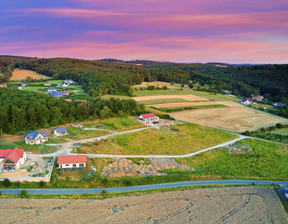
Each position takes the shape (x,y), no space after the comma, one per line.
(60,131)
(72,162)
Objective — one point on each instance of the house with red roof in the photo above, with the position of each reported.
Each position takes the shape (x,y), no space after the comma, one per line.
(257,98)
(3,86)
(72,162)
(47,84)
(148,118)
(64,93)
(246,101)
(11,159)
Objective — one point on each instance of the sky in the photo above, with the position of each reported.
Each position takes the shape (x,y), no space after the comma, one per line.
(231,31)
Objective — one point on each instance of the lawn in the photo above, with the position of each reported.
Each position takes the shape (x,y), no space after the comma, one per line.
(282,131)
(176,140)
(268,161)
(160,101)
(31,148)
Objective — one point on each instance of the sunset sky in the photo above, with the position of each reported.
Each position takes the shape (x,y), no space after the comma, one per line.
(232,31)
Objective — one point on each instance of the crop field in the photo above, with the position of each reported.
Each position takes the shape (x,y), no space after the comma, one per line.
(23,74)
(225,205)
(190,104)
(267,160)
(162,101)
(177,140)
(158,83)
(235,117)
(170,97)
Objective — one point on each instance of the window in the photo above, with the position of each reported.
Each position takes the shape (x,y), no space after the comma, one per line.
(81,165)
(74,165)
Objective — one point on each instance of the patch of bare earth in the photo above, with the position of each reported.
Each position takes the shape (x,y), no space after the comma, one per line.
(185,97)
(217,205)
(20,74)
(235,117)
(158,83)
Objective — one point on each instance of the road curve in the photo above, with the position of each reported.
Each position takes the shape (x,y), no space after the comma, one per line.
(143,187)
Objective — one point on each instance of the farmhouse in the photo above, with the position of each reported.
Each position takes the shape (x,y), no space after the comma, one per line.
(36,138)
(257,98)
(72,162)
(11,159)
(148,118)
(17,87)
(246,101)
(47,84)
(56,94)
(24,84)
(3,86)
(69,81)
(51,90)
(60,131)
(65,84)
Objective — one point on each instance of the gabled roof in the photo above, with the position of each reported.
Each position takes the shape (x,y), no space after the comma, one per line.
(59,130)
(279,104)
(51,88)
(24,83)
(244,100)
(33,134)
(72,159)
(68,100)
(16,87)
(148,115)
(64,92)
(56,94)
(3,85)
(12,154)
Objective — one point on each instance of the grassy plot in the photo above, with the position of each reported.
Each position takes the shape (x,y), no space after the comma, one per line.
(175,109)
(160,101)
(43,148)
(177,140)
(266,161)
(162,92)
(282,131)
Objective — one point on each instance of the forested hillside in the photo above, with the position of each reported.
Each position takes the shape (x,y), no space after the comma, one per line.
(23,110)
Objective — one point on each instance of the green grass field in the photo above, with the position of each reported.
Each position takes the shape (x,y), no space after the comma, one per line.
(177,140)
(282,131)
(108,96)
(266,161)
(43,148)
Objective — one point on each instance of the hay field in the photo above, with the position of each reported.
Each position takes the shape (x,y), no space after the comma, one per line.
(212,205)
(236,117)
(159,97)
(23,74)
(157,83)
(190,104)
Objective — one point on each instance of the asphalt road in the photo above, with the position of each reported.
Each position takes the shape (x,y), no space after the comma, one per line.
(140,188)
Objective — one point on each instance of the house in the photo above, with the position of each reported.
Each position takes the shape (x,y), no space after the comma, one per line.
(246,101)
(72,162)
(36,138)
(64,93)
(69,81)
(51,90)
(68,100)
(257,98)
(65,84)
(279,104)
(231,95)
(226,91)
(60,131)
(24,84)
(47,84)
(83,101)
(3,86)
(17,87)
(11,159)
(148,118)
(56,94)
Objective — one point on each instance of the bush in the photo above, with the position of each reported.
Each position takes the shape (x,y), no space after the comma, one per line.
(278,125)
(41,183)
(0,193)
(104,193)
(151,88)
(24,194)
(7,183)
(164,87)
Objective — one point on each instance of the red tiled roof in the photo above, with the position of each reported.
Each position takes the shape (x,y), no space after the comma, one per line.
(3,85)
(81,101)
(148,115)
(68,100)
(72,159)
(12,154)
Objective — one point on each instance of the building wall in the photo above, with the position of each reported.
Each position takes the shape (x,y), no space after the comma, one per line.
(70,166)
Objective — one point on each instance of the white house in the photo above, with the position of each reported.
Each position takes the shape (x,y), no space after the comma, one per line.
(65,84)
(72,162)
(36,138)
(51,90)
(257,98)
(246,101)
(60,131)
(148,118)
(11,159)
(69,81)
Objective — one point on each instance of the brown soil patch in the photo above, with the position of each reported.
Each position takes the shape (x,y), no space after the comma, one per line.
(236,117)
(185,97)
(158,83)
(217,205)
(12,138)
(20,74)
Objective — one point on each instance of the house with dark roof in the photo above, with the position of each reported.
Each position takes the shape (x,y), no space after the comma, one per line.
(17,87)
(36,137)
(60,131)
(24,84)
(11,159)
(65,84)
(246,101)
(72,162)
(51,90)
(279,104)
(56,94)
(148,118)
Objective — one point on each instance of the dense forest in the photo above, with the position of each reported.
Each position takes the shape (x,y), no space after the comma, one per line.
(23,110)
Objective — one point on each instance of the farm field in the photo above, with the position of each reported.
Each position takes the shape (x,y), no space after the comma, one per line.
(176,140)
(190,104)
(267,160)
(20,74)
(253,205)
(157,83)
(235,117)
(162,101)
(168,97)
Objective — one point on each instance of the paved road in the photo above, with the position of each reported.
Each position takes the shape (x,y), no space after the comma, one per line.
(139,188)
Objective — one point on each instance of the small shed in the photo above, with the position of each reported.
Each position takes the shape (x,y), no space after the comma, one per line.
(72,162)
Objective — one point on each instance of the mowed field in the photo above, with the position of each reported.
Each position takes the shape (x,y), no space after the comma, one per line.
(212,205)
(189,97)
(157,83)
(235,117)
(19,74)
